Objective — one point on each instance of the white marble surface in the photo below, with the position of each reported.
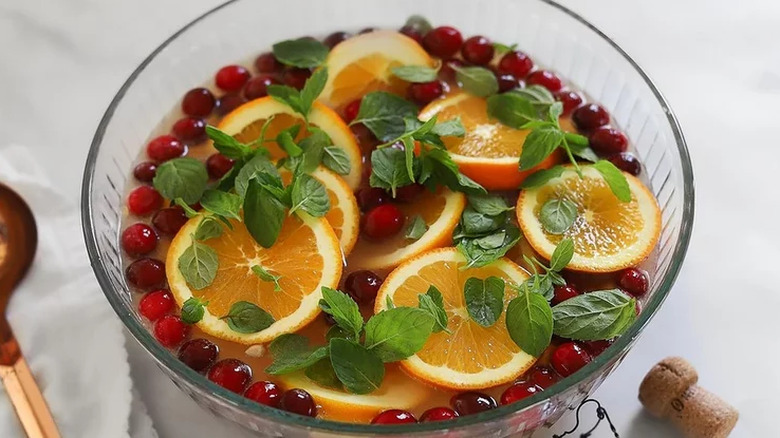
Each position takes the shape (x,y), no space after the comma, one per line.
(716,61)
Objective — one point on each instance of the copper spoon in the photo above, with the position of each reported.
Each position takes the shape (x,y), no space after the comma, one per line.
(18,240)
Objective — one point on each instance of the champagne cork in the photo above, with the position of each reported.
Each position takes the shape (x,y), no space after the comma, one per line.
(669,391)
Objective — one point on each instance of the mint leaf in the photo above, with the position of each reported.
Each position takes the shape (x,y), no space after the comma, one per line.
(188,211)
(415,73)
(313,148)
(288,96)
(221,203)
(562,255)
(474,223)
(384,113)
(322,373)
(541,177)
(286,141)
(612,175)
(337,331)
(291,352)
(540,284)
(557,215)
(484,299)
(343,309)
(419,24)
(389,302)
(389,169)
(416,228)
(511,109)
(478,81)
(309,195)
(359,369)
(257,165)
(409,157)
(489,205)
(503,48)
(264,275)
(263,214)
(302,52)
(538,145)
(198,264)
(208,228)
(555,111)
(580,151)
(483,251)
(335,159)
(184,178)
(556,278)
(437,168)
(433,303)
(245,317)
(192,310)
(537,94)
(594,316)
(312,89)
(529,321)
(449,128)
(227,145)
(398,333)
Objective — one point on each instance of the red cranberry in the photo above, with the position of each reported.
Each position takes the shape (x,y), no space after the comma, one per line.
(229,102)
(145,171)
(164,147)
(258,86)
(363,286)
(218,165)
(477,50)
(267,63)
(351,111)
(447,71)
(383,221)
(590,116)
(296,77)
(597,347)
(232,77)
(138,239)
(516,63)
(546,79)
(231,374)
(563,293)
(607,141)
(299,402)
(519,391)
(443,42)
(144,200)
(171,331)
(199,354)
(169,220)
(146,273)
(569,357)
(156,304)
(198,102)
(627,162)
(394,416)
(424,93)
(264,392)
(506,82)
(409,193)
(543,377)
(569,99)
(190,130)
(370,197)
(438,414)
(633,281)
(335,38)
(412,33)
(472,402)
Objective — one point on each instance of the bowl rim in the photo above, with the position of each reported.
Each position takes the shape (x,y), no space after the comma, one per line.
(166,359)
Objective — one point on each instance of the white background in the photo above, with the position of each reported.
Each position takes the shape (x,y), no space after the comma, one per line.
(718,62)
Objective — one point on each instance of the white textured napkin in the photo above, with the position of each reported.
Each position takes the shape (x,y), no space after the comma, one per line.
(68,333)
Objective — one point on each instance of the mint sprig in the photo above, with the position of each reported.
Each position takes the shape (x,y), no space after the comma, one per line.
(192,310)
(485,233)
(384,113)
(265,275)
(301,101)
(301,52)
(182,178)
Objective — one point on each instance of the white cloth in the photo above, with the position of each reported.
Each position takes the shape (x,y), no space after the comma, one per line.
(68,333)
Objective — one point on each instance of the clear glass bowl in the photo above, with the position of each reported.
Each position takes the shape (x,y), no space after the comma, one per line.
(554,37)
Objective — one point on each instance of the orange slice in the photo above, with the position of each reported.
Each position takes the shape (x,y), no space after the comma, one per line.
(302,238)
(472,356)
(441,212)
(489,152)
(245,123)
(363,64)
(608,234)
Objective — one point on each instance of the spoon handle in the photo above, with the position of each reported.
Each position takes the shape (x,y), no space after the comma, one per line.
(28,402)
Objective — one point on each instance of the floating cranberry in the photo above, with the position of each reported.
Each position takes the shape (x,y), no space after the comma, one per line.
(139,239)
(335,38)
(607,141)
(438,414)
(569,99)
(443,42)
(144,200)
(267,63)
(232,77)
(515,63)
(447,70)
(627,162)
(409,193)
(231,374)
(156,304)
(145,171)
(633,281)
(597,347)
(477,50)
(169,220)
(563,293)
(590,116)
(412,33)
(218,165)
(229,102)
(258,86)
(472,402)
(351,111)
(519,391)
(370,197)
(546,79)
(191,130)
(543,377)
(164,148)
(198,102)
(146,273)
(296,77)
(394,416)
(264,392)
(569,357)
(506,82)
(171,331)
(383,221)
(425,92)
(362,286)
(199,354)
(298,402)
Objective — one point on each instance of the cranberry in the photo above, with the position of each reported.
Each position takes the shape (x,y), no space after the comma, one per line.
(516,63)
(569,357)
(627,162)
(370,197)
(367,30)
(519,391)
(409,193)
(146,273)
(563,293)
(351,111)
(394,416)
(590,116)
(447,71)
(546,79)
(232,77)
(154,305)
(569,99)
(383,221)
(138,239)
(424,93)
(477,50)
(198,102)
(190,129)
(543,377)
(164,147)
(633,281)
(264,392)
(597,347)
(267,63)
(607,141)
(412,33)
(258,86)
(218,165)
(299,402)
(363,286)
(506,82)
(144,200)
(145,171)
(229,102)
(169,220)
(296,77)
(231,374)
(199,354)
(472,402)
(335,38)
(171,331)
(438,414)
(444,41)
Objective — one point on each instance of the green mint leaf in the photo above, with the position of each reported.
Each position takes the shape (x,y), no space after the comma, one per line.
(512,109)
(433,303)
(529,321)
(555,111)
(262,138)
(343,309)
(541,177)
(263,214)
(556,278)
(409,157)
(503,48)
(198,264)
(536,93)
(416,228)
(583,152)
(557,215)
(188,211)
(312,89)
(485,250)
(227,145)
(335,159)
(389,169)
(540,284)
(286,141)
(309,195)
(438,168)
(258,165)
(313,148)
(478,81)
(562,255)
(576,139)
(419,24)
(538,145)
(184,178)
(208,228)
(398,333)
(322,373)
(291,352)
(612,175)
(415,73)
(489,204)
(594,316)
(474,223)
(384,113)
(264,275)
(245,317)
(449,128)
(389,302)
(192,310)
(302,52)
(221,203)
(359,369)
(288,96)
(228,180)
(484,299)
(337,331)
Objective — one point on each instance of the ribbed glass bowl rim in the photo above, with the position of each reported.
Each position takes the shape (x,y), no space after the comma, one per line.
(168,360)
